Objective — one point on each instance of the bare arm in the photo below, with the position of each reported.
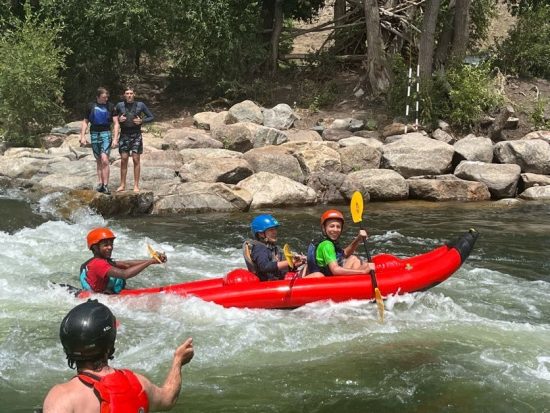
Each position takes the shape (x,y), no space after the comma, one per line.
(165,397)
(129,271)
(83,129)
(350,249)
(116,130)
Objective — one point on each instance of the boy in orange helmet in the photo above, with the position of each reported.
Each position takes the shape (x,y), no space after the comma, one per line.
(100,273)
(327,257)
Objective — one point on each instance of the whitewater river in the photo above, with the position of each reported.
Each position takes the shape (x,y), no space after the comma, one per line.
(479,342)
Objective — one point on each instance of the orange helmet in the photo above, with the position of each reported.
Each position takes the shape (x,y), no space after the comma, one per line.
(331,214)
(99,234)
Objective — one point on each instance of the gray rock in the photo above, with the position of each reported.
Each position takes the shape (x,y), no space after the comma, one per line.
(280,116)
(536,193)
(327,187)
(501,179)
(531,155)
(417,155)
(269,190)
(358,157)
(380,184)
(246,111)
(447,188)
(474,148)
(198,197)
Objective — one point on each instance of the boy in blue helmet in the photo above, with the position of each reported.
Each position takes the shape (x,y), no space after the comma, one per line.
(262,255)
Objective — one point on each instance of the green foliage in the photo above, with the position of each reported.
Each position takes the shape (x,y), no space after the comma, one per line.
(463,94)
(537,116)
(31,88)
(520,7)
(459,96)
(482,12)
(217,39)
(526,51)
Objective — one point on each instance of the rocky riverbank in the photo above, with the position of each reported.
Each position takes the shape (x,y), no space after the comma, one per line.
(250,158)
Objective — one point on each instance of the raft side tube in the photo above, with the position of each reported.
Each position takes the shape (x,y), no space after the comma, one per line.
(465,244)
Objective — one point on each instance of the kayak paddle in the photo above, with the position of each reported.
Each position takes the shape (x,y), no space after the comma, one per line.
(356,208)
(153,253)
(288,256)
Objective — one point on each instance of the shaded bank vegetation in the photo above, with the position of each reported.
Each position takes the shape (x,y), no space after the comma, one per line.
(54,53)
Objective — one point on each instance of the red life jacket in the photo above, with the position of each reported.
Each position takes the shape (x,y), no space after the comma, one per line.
(118,392)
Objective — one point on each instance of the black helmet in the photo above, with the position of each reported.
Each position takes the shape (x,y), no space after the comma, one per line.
(88,332)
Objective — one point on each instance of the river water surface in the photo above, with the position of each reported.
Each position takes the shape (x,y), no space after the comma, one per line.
(479,342)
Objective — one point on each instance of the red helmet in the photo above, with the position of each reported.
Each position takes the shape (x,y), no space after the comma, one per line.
(331,214)
(99,234)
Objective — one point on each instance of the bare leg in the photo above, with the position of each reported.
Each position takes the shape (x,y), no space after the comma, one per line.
(123,171)
(104,169)
(137,170)
(98,169)
(352,263)
(314,275)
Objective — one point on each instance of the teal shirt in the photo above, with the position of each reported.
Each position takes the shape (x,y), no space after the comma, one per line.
(325,254)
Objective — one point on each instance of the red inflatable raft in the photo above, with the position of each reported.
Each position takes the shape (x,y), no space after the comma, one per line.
(241,288)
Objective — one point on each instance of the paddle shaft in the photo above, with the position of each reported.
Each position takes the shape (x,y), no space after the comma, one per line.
(369,259)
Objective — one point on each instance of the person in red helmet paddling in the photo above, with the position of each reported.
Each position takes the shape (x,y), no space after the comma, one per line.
(100,273)
(328,257)
(88,334)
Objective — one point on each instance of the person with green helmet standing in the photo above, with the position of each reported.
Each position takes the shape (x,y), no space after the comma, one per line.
(100,273)
(262,255)
(88,334)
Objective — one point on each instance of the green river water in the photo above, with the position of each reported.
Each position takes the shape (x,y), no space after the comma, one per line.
(479,342)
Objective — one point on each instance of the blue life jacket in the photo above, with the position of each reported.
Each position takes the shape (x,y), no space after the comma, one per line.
(312,265)
(100,115)
(116,285)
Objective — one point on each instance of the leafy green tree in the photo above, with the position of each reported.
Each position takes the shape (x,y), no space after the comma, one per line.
(31,88)
(526,51)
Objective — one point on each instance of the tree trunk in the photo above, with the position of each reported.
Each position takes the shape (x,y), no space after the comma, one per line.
(461,32)
(427,40)
(276,34)
(339,11)
(377,68)
(445,38)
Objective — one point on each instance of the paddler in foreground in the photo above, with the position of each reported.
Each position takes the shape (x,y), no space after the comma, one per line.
(328,257)
(101,274)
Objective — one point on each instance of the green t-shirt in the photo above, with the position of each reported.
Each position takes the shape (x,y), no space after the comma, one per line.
(325,254)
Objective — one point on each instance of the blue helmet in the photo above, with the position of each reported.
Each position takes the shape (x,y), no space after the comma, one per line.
(262,223)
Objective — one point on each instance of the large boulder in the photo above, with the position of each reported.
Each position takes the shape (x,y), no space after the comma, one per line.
(196,197)
(246,111)
(303,135)
(358,140)
(417,155)
(117,204)
(328,186)
(269,190)
(184,138)
(539,134)
(536,193)
(276,160)
(203,120)
(280,116)
(244,136)
(316,156)
(531,155)
(447,188)
(529,180)
(229,170)
(380,184)
(501,179)
(474,148)
(189,155)
(358,157)
(164,159)
(334,135)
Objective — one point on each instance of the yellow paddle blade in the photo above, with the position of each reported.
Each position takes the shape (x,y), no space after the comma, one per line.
(356,207)
(288,256)
(379,303)
(153,253)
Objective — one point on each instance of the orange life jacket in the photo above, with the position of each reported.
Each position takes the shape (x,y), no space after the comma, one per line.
(118,392)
